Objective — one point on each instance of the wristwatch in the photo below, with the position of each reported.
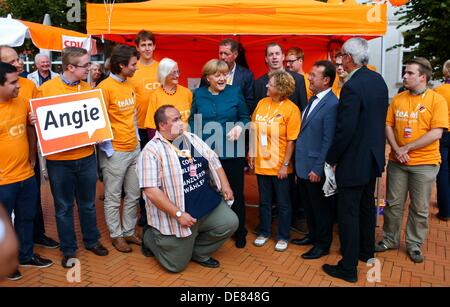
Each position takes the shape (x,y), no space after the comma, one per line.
(178,214)
(286,163)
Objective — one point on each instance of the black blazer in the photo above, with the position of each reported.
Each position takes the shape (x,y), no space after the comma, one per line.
(245,80)
(358,146)
(298,96)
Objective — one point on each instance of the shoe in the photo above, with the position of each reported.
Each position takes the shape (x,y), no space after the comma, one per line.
(134,239)
(416,256)
(336,272)
(260,241)
(65,260)
(15,276)
(381,247)
(37,261)
(46,242)
(98,249)
(303,241)
(210,263)
(365,258)
(121,245)
(443,218)
(240,242)
(281,245)
(315,253)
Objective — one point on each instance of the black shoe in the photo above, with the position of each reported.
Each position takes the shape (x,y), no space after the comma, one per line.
(210,263)
(240,242)
(15,276)
(98,249)
(336,271)
(443,218)
(303,241)
(37,262)
(315,253)
(65,260)
(147,252)
(365,258)
(46,242)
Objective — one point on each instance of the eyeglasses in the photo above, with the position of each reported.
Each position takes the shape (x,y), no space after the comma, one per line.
(339,64)
(88,64)
(175,73)
(291,61)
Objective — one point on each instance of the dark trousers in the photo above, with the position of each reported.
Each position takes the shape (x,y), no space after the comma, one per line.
(234,169)
(74,180)
(442,179)
(20,197)
(39,228)
(268,186)
(144,137)
(356,219)
(318,213)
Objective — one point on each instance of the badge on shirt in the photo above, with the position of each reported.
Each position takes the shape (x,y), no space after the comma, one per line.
(192,170)
(263,139)
(407,133)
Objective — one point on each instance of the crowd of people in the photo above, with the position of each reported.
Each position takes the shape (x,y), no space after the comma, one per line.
(177,161)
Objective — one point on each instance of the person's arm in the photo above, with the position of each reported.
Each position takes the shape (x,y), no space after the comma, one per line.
(430,137)
(163,203)
(9,247)
(32,143)
(283,172)
(401,156)
(226,189)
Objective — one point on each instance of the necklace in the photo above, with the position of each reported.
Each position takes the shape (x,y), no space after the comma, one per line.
(169,93)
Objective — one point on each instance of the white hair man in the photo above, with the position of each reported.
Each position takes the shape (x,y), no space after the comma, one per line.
(43,70)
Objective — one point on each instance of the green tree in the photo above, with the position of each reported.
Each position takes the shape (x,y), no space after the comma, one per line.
(431,38)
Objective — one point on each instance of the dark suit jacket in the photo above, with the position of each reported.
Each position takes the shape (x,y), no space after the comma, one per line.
(358,146)
(245,80)
(316,135)
(298,97)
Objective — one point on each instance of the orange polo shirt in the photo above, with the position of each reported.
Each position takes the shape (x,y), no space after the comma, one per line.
(144,81)
(27,89)
(55,87)
(182,100)
(420,113)
(14,147)
(444,90)
(120,103)
(280,122)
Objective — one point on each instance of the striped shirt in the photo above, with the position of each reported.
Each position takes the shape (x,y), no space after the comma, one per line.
(158,166)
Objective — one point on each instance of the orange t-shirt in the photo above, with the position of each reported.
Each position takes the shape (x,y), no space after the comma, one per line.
(120,103)
(444,90)
(144,81)
(27,89)
(420,114)
(14,147)
(309,93)
(182,100)
(280,122)
(55,87)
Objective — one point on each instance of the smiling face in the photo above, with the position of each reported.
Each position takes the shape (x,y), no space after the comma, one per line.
(217,81)
(43,64)
(172,77)
(10,89)
(293,63)
(146,48)
(10,56)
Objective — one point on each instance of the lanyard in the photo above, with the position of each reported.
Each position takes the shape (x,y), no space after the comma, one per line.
(184,153)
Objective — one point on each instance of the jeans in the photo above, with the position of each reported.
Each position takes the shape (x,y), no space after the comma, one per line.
(267,186)
(20,197)
(39,227)
(74,180)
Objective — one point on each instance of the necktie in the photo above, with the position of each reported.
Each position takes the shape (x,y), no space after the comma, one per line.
(305,116)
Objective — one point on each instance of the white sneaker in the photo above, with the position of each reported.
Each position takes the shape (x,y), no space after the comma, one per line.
(260,241)
(281,246)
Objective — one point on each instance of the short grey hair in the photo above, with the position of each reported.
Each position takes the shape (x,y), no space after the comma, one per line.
(40,55)
(164,68)
(358,48)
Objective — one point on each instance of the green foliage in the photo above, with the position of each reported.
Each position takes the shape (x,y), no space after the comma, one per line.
(432,37)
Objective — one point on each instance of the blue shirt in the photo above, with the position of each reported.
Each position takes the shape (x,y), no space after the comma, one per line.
(226,107)
(199,198)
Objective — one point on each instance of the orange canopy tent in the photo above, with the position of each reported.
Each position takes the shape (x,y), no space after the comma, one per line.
(15,31)
(188,31)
